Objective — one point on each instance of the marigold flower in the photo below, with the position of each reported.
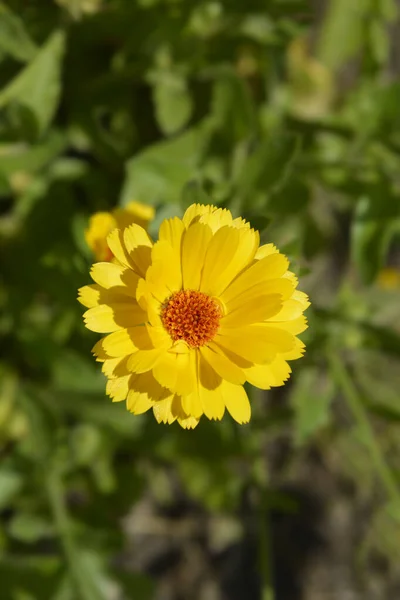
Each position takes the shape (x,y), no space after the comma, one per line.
(102,223)
(193,316)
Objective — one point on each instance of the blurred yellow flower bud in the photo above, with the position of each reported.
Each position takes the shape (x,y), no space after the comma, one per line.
(102,223)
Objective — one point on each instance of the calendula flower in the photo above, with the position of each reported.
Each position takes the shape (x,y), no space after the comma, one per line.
(102,223)
(193,316)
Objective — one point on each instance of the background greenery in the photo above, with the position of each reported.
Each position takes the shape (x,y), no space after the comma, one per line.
(287,112)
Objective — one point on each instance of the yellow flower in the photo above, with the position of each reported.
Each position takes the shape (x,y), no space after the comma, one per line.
(389,278)
(193,316)
(102,223)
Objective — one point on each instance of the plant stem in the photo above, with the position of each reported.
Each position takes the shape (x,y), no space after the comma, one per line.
(265,551)
(83,583)
(357,407)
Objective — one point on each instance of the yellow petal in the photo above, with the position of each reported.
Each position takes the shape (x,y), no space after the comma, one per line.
(110,275)
(166,370)
(236,401)
(229,251)
(105,319)
(156,282)
(223,366)
(195,211)
(138,403)
(302,298)
(292,277)
(115,241)
(186,380)
(240,223)
(144,392)
(297,352)
(144,360)
(138,246)
(118,388)
(209,390)
(252,343)
(280,286)
(162,410)
(115,367)
(119,343)
(270,375)
(231,355)
(296,326)
(100,225)
(206,397)
(171,231)
(89,295)
(270,267)
(188,422)
(149,302)
(254,311)
(291,309)
(93,295)
(194,247)
(134,212)
(99,351)
(192,403)
(217,218)
(131,339)
(266,250)
(163,254)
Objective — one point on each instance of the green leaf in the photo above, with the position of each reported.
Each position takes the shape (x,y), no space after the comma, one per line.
(232,105)
(14,39)
(193,193)
(29,528)
(311,399)
(37,88)
(86,569)
(344,21)
(17,158)
(10,485)
(158,174)
(372,230)
(268,165)
(75,373)
(172,101)
(292,198)
(28,577)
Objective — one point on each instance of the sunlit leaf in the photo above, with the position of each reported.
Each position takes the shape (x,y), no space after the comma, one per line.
(37,87)
(14,38)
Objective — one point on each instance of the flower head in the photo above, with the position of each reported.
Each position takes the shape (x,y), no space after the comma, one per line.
(193,316)
(102,223)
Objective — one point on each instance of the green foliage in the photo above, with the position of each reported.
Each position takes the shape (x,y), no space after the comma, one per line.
(253,106)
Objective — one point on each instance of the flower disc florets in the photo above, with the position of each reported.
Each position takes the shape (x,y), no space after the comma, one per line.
(192,317)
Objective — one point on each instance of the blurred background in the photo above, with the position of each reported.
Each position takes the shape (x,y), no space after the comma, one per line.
(288,113)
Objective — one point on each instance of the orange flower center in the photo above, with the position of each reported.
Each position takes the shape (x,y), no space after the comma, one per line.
(191,316)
